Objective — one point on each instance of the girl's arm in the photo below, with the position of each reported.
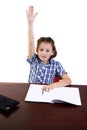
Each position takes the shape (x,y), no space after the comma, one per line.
(30,17)
(65,81)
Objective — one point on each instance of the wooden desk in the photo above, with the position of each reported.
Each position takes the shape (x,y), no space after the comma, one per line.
(42,116)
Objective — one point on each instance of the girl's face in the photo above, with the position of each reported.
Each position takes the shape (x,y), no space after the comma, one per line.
(45,52)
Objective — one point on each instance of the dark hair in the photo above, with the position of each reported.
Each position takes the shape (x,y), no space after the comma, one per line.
(47,40)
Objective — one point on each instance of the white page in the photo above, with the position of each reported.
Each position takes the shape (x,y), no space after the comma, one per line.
(66,94)
(35,94)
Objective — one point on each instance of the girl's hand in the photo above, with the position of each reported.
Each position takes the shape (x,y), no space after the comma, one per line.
(30,14)
(47,88)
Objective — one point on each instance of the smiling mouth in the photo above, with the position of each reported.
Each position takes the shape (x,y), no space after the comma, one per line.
(43,57)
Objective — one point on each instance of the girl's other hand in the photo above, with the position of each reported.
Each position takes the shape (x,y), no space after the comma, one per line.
(30,14)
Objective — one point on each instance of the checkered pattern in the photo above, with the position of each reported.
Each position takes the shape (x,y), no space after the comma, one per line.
(44,74)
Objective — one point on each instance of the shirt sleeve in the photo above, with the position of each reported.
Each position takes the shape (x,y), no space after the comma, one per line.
(33,59)
(60,70)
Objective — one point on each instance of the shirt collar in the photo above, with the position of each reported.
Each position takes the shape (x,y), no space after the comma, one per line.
(50,62)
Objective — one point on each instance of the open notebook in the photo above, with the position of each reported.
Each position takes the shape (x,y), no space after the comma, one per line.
(69,95)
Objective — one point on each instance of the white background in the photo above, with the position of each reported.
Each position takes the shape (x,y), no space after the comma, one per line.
(63,20)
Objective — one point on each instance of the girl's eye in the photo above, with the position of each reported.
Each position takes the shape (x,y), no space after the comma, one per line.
(47,50)
(41,49)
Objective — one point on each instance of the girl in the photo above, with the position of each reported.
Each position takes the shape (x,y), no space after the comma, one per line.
(43,68)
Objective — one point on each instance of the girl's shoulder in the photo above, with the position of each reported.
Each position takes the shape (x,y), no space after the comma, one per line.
(53,61)
(33,59)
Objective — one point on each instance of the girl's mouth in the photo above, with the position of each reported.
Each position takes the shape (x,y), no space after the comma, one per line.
(43,57)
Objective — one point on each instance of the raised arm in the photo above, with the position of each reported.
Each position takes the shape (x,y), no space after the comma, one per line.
(31,17)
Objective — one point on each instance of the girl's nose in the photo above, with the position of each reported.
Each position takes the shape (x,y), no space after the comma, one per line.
(43,52)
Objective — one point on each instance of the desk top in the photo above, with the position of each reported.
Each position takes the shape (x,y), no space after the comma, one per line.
(42,116)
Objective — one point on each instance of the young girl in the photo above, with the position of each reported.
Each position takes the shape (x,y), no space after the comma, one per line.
(43,68)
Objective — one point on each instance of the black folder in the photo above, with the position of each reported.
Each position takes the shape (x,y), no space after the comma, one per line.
(7,103)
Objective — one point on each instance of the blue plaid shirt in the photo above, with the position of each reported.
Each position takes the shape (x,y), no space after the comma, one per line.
(44,73)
